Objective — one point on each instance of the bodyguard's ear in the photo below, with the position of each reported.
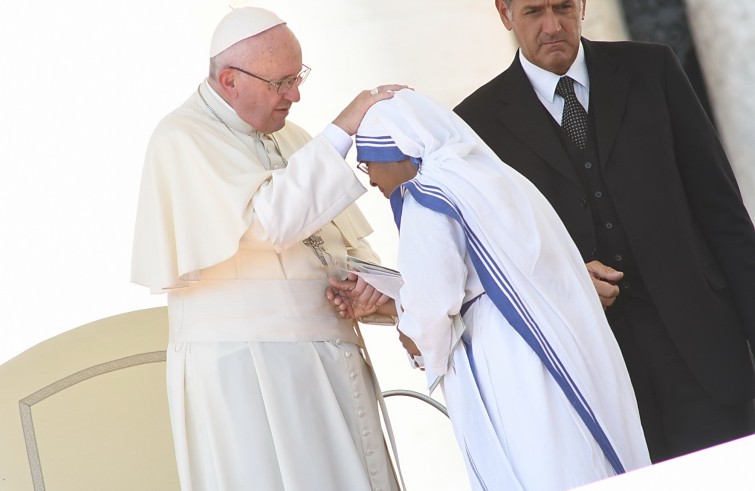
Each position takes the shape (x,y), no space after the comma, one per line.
(504,12)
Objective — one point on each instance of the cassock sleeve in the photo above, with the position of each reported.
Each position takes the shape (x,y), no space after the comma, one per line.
(299,200)
(431,256)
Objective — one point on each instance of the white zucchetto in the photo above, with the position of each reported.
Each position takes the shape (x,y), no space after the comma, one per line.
(239,24)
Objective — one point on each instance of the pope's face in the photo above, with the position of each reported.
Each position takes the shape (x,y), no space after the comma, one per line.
(547,31)
(387,176)
(258,103)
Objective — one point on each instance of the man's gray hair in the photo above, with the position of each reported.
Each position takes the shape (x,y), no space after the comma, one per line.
(233,56)
(216,64)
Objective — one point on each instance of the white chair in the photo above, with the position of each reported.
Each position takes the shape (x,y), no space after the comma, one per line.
(87,410)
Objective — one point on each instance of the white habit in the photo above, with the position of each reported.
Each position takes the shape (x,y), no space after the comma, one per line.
(268,387)
(537,390)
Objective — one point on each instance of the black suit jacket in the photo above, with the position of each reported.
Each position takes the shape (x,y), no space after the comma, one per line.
(672,187)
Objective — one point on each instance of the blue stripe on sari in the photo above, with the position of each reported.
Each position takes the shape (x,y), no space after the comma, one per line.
(378,149)
(506,299)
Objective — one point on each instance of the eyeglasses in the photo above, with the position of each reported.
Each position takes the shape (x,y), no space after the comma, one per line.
(280,86)
(363,167)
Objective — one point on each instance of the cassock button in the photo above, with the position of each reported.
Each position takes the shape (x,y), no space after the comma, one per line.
(368,452)
(365,432)
(347,354)
(609,225)
(353,375)
(338,341)
(583,203)
(588,165)
(598,194)
(357,394)
(360,413)
(618,258)
(373,472)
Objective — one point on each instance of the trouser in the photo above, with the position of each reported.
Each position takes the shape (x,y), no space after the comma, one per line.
(678,415)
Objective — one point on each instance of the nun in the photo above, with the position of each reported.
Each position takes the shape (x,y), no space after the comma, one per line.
(497,301)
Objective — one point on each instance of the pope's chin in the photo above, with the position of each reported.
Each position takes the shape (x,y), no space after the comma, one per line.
(280,117)
(276,124)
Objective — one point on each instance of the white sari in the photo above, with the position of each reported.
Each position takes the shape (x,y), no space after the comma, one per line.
(538,392)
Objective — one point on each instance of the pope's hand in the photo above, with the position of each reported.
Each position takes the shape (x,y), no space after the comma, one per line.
(351,117)
(354,297)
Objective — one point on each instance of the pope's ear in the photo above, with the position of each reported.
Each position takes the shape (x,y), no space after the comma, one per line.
(227,79)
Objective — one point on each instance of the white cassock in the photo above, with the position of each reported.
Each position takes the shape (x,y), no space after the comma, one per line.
(268,388)
(537,390)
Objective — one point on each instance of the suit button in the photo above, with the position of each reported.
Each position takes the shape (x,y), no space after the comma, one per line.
(583,203)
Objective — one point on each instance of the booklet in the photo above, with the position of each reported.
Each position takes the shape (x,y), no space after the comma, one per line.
(385,280)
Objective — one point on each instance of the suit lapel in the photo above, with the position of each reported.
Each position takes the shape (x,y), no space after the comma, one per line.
(522,113)
(608,97)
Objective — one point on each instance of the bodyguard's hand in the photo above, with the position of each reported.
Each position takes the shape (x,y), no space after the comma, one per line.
(604,279)
(351,117)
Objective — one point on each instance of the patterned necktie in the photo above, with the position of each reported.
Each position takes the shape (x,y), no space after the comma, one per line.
(574,118)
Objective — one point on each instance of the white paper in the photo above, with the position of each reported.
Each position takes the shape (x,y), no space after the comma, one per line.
(385,280)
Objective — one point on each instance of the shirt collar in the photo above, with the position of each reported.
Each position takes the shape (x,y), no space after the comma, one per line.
(544,82)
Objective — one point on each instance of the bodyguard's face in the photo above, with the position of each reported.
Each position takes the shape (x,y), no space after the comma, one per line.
(547,31)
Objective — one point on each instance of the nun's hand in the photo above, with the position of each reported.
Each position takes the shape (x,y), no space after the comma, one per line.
(351,117)
(408,344)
